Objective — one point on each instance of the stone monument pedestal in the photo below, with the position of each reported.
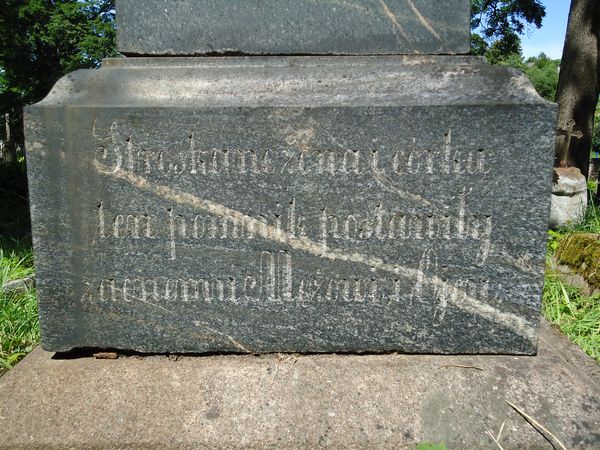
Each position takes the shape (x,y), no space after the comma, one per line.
(315,401)
(332,179)
(291,204)
(326,178)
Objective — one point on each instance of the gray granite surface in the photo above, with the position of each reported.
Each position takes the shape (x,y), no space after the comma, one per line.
(298,402)
(350,27)
(291,204)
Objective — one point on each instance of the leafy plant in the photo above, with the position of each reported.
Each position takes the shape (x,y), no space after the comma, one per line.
(543,74)
(19,328)
(541,70)
(40,41)
(497,24)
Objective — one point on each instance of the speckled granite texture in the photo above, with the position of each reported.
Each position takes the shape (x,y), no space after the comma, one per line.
(291,204)
(285,27)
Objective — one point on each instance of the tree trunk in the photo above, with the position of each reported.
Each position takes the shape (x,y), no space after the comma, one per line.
(10,151)
(579,84)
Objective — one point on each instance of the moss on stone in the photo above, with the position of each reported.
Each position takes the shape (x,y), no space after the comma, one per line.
(581,253)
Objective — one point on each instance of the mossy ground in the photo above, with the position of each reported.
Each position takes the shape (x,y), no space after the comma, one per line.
(581,252)
(577,315)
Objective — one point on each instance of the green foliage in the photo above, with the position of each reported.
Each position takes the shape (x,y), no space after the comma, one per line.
(512,60)
(498,23)
(541,70)
(41,40)
(501,50)
(554,237)
(577,315)
(596,133)
(591,222)
(479,46)
(496,26)
(19,328)
(543,73)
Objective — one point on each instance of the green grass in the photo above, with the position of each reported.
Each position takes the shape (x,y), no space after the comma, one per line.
(577,315)
(19,328)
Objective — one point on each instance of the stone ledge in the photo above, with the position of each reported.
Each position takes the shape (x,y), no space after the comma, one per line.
(294,81)
(285,401)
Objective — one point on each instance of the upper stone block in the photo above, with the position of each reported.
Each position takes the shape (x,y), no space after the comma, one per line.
(289,27)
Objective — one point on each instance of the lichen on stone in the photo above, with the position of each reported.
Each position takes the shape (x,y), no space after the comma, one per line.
(581,253)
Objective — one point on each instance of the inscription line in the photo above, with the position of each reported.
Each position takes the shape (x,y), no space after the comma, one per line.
(302,243)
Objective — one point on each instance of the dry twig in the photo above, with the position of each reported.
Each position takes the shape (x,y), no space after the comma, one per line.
(460,366)
(535,424)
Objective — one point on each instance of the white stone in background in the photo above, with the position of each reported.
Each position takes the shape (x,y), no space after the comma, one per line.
(569,197)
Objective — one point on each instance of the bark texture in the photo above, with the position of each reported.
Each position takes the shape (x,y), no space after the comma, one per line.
(579,83)
(9,152)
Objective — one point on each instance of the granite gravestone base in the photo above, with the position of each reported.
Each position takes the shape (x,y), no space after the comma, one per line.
(291,204)
(304,401)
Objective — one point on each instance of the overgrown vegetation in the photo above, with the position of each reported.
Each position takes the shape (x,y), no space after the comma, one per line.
(40,41)
(19,329)
(497,24)
(577,315)
(581,252)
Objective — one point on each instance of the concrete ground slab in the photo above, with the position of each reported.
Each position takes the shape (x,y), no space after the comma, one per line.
(314,401)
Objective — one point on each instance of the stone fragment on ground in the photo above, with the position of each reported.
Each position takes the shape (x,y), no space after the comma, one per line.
(16,287)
